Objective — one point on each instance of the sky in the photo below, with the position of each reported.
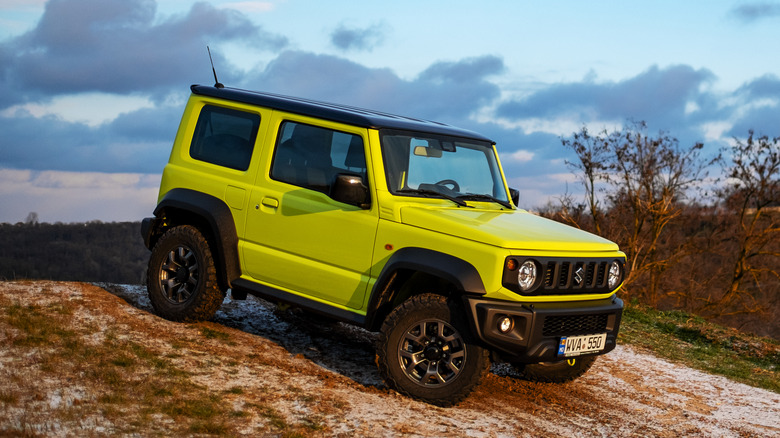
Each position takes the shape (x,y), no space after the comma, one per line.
(93,90)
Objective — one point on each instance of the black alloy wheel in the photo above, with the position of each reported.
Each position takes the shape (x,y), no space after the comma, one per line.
(179,275)
(182,278)
(432,352)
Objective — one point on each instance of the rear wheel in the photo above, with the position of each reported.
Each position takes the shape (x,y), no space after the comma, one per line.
(181,278)
(426,351)
(556,372)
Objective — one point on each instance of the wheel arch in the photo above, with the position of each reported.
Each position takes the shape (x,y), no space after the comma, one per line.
(414,266)
(211,216)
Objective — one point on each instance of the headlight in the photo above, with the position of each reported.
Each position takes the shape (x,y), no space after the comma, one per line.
(526,275)
(614,274)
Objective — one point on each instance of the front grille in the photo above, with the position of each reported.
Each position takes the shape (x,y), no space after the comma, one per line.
(575,275)
(574,325)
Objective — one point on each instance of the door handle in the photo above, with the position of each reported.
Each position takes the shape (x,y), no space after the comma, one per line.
(269,202)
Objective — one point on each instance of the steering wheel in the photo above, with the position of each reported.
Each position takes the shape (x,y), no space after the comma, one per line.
(452,182)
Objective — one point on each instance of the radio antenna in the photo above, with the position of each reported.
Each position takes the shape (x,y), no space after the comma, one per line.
(216,81)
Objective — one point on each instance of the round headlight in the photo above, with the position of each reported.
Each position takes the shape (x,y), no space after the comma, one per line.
(614,274)
(526,275)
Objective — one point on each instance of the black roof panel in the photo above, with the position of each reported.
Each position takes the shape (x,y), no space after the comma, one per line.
(335,112)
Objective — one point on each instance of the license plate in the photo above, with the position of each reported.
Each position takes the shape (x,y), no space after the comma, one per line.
(577,345)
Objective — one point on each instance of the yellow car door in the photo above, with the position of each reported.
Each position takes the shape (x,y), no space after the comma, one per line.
(297,237)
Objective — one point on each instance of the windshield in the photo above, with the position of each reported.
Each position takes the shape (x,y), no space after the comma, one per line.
(419,164)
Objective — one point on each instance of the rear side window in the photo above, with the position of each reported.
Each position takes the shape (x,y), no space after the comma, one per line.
(225,137)
(311,157)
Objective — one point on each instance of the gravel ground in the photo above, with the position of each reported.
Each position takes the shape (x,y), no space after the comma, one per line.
(283,375)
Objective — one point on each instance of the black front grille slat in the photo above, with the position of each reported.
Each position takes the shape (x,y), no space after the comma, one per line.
(563,277)
(600,279)
(589,271)
(549,274)
(572,325)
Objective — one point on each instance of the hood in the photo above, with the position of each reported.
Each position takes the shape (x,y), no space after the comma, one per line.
(516,229)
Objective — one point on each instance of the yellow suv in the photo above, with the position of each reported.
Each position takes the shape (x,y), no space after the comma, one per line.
(402,226)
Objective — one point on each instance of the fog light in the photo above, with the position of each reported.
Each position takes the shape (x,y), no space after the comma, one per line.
(526,275)
(505,324)
(614,274)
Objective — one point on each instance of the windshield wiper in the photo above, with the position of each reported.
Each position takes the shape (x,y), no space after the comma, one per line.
(454,199)
(482,197)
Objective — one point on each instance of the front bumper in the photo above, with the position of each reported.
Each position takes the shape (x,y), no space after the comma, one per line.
(538,327)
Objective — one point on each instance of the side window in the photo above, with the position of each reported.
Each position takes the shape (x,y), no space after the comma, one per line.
(225,137)
(311,157)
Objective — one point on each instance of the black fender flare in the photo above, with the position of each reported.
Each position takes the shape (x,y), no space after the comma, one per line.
(186,206)
(448,267)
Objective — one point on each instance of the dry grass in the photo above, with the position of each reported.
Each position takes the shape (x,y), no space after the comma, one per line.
(699,344)
(125,378)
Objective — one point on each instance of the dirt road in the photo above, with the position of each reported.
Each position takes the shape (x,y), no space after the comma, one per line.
(281,375)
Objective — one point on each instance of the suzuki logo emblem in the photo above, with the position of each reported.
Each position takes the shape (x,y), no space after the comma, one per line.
(578,276)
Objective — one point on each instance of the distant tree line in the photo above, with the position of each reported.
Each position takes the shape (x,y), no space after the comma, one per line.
(705,243)
(92,251)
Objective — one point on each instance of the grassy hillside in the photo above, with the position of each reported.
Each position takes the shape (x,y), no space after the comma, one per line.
(82,360)
(688,339)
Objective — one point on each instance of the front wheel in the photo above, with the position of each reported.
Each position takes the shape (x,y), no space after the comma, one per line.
(555,372)
(181,278)
(426,351)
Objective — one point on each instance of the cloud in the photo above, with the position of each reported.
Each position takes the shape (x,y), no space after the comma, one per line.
(448,91)
(138,141)
(76,196)
(464,71)
(358,39)
(23,4)
(83,180)
(763,119)
(101,107)
(659,95)
(764,86)
(250,6)
(530,155)
(118,46)
(521,156)
(753,106)
(751,12)
(158,124)
(83,50)
(538,190)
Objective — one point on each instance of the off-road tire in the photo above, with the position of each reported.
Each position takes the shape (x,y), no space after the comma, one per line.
(181,278)
(555,372)
(429,333)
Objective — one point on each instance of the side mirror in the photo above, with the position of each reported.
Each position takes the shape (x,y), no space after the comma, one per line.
(515,194)
(350,189)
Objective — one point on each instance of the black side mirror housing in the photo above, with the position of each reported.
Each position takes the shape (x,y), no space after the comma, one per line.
(515,194)
(350,189)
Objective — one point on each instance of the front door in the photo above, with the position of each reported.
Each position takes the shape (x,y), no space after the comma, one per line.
(297,238)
